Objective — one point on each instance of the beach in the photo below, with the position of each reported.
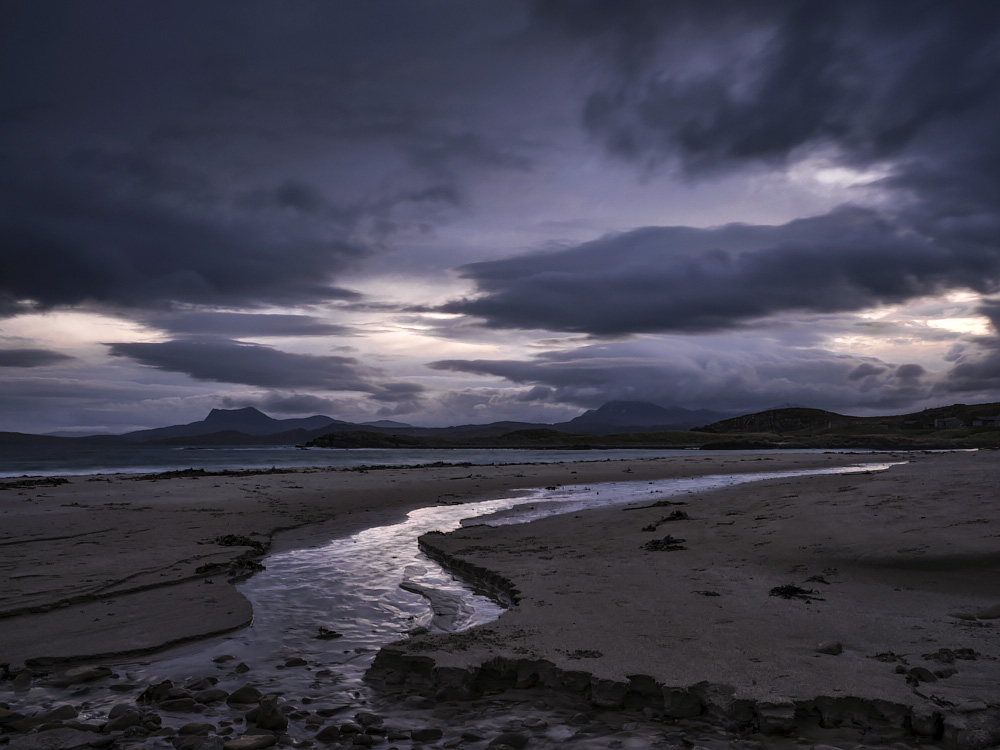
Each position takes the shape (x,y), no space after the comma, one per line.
(820,600)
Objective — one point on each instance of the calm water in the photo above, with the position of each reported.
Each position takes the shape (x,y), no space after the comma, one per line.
(16,461)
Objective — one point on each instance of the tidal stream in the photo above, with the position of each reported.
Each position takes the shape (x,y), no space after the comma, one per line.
(321,613)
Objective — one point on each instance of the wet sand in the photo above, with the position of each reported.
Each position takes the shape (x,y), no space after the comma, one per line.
(893,573)
(120,564)
(890,606)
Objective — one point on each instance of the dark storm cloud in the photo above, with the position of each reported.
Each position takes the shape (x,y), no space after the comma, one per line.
(31,358)
(69,245)
(735,375)
(687,280)
(256,365)
(149,163)
(241,325)
(717,82)
(717,86)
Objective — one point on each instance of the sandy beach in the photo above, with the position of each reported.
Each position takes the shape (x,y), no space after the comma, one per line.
(820,600)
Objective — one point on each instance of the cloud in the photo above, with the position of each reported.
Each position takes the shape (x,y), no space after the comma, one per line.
(31,358)
(718,84)
(69,243)
(976,368)
(228,361)
(730,375)
(679,279)
(240,325)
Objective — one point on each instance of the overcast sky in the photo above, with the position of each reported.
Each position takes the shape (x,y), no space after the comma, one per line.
(448,211)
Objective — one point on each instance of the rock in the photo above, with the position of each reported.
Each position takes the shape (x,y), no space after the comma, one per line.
(188,742)
(428,734)
(22,682)
(212,695)
(680,704)
(776,718)
(182,705)
(269,716)
(296,662)
(124,720)
(155,693)
(196,727)
(990,613)
(79,675)
(922,674)
(241,668)
(245,694)
(366,719)
(833,648)
(7,716)
(251,742)
(328,734)
(201,683)
(223,659)
(101,742)
(332,710)
(363,740)
(418,701)
(54,739)
(473,735)
(945,673)
(59,713)
(516,740)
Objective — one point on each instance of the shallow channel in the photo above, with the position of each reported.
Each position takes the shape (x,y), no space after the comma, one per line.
(321,613)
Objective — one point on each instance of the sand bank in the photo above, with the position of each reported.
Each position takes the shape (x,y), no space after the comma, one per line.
(891,586)
(124,564)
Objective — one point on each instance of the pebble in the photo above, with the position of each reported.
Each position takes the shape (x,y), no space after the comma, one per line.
(251,742)
(329,734)
(418,701)
(212,695)
(182,705)
(922,674)
(516,740)
(428,734)
(126,719)
(833,648)
(366,719)
(78,675)
(245,694)
(196,727)
(269,716)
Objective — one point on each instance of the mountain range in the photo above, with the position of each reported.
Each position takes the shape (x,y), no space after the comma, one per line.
(617,423)
(250,426)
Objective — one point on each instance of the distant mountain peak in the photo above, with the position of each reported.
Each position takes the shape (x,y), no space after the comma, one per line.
(626,413)
(225,414)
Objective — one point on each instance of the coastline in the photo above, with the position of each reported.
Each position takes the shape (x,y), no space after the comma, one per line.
(891,618)
(110,565)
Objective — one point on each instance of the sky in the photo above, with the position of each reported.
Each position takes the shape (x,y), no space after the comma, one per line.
(442,212)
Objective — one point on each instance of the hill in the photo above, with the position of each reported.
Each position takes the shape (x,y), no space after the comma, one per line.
(637,416)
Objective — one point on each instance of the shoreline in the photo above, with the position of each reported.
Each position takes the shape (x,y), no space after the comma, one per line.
(112,559)
(873,640)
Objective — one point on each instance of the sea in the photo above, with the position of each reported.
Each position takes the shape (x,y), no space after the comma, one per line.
(83,459)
